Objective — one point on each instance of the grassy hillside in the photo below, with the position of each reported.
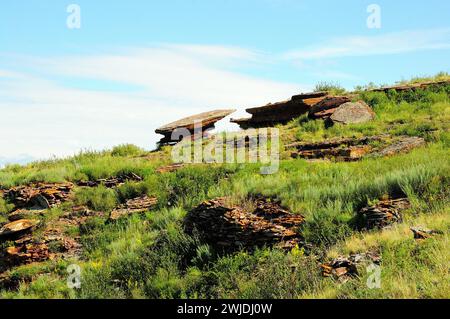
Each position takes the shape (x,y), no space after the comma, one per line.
(150,256)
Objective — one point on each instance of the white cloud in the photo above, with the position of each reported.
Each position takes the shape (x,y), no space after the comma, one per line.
(42,115)
(390,43)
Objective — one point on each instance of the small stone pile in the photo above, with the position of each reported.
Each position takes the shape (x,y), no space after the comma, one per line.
(384,213)
(134,206)
(42,195)
(230,228)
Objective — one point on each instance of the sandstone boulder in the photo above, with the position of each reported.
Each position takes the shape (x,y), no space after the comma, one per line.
(351,113)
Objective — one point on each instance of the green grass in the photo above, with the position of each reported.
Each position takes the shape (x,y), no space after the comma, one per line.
(150,256)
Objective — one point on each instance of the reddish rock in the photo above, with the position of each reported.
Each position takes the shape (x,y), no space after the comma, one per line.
(340,149)
(25,214)
(351,149)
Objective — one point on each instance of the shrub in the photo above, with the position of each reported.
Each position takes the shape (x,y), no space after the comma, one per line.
(330,87)
(98,198)
(127,150)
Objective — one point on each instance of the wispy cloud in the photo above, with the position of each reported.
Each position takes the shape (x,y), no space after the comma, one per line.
(389,43)
(43,116)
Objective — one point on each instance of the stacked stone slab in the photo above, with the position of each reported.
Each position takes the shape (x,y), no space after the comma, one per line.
(385,213)
(229,228)
(280,112)
(207,120)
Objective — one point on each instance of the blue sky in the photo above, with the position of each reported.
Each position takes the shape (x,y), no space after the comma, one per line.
(134,65)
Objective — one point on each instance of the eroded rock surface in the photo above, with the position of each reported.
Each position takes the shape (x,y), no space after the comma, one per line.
(134,206)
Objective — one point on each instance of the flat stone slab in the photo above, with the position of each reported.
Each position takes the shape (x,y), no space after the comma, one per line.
(18,227)
(207,119)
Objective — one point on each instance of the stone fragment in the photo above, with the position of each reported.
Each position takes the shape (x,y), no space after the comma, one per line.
(411,87)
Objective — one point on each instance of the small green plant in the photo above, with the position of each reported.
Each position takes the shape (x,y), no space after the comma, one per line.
(330,87)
